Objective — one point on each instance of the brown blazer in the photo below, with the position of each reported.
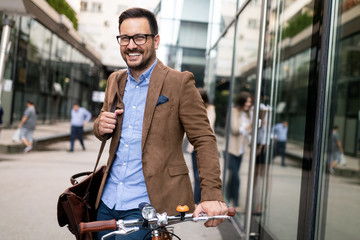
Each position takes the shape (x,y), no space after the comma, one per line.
(165,171)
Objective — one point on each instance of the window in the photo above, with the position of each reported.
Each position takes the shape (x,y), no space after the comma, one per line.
(252,23)
(96,7)
(83,6)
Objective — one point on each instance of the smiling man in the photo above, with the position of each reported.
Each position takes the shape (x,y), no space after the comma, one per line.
(154,106)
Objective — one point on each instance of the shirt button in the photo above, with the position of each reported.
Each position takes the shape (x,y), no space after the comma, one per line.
(130,126)
(121,183)
(137,86)
(124,163)
(126,145)
(134,107)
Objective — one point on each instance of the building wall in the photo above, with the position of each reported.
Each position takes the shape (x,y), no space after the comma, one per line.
(98,23)
(311,83)
(183,27)
(47,70)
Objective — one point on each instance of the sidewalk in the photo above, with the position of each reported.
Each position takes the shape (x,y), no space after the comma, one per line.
(57,164)
(44,134)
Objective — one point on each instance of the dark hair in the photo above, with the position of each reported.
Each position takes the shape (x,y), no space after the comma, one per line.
(32,103)
(204,96)
(140,13)
(241,99)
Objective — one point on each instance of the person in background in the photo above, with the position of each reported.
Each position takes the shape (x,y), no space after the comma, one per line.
(336,149)
(261,140)
(280,131)
(239,138)
(210,110)
(260,155)
(154,106)
(1,114)
(27,125)
(79,117)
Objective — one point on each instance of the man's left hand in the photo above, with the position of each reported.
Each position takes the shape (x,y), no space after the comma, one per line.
(212,208)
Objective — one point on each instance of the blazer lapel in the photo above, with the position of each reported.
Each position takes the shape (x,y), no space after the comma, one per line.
(156,82)
(120,83)
(121,78)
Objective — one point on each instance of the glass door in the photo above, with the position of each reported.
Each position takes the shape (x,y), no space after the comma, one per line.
(340,189)
(301,69)
(308,120)
(285,116)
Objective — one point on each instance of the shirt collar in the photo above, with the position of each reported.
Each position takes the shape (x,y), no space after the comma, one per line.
(144,75)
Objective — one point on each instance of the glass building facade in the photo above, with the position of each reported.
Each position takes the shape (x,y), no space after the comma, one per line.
(300,61)
(183,27)
(44,68)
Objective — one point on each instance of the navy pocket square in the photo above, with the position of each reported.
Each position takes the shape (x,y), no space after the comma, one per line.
(162,99)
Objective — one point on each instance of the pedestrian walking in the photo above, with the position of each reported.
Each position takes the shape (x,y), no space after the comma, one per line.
(27,125)
(1,117)
(336,149)
(79,117)
(280,131)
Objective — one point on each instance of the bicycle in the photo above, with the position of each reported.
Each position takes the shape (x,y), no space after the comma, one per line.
(151,220)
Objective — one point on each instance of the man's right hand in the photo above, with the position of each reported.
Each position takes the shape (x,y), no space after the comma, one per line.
(107,121)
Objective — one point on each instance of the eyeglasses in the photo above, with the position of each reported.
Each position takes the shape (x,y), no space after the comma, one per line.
(139,39)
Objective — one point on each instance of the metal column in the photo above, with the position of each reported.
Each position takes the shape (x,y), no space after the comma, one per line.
(7,24)
(259,78)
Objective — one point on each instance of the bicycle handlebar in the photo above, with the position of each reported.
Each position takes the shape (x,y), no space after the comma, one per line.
(159,220)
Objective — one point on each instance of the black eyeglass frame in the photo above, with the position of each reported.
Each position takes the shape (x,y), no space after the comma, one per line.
(133,38)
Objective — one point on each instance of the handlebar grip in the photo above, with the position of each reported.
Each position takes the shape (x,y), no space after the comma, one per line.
(231,211)
(97,226)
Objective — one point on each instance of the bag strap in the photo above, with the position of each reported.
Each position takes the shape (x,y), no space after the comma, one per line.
(112,109)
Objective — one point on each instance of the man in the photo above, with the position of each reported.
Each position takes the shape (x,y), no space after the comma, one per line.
(280,133)
(27,125)
(155,105)
(79,117)
(336,149)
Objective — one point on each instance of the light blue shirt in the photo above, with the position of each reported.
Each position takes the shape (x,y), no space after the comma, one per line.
(280,132)
(78,117)
(125,187)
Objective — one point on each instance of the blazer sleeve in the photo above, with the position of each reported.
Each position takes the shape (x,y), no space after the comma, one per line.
(196,124)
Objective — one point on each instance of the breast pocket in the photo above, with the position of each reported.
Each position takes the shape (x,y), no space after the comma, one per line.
(178,170)
(163,111)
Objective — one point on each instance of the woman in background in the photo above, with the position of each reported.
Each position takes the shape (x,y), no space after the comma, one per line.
(239,136)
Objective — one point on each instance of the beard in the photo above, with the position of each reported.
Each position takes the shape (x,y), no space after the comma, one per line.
(146,58)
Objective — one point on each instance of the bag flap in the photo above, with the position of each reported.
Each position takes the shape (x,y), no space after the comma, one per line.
(77,191)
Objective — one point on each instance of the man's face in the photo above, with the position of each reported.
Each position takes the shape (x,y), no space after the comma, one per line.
(285,123)
(138,57)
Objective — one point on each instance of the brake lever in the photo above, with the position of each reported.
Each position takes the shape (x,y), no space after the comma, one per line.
(121,232)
